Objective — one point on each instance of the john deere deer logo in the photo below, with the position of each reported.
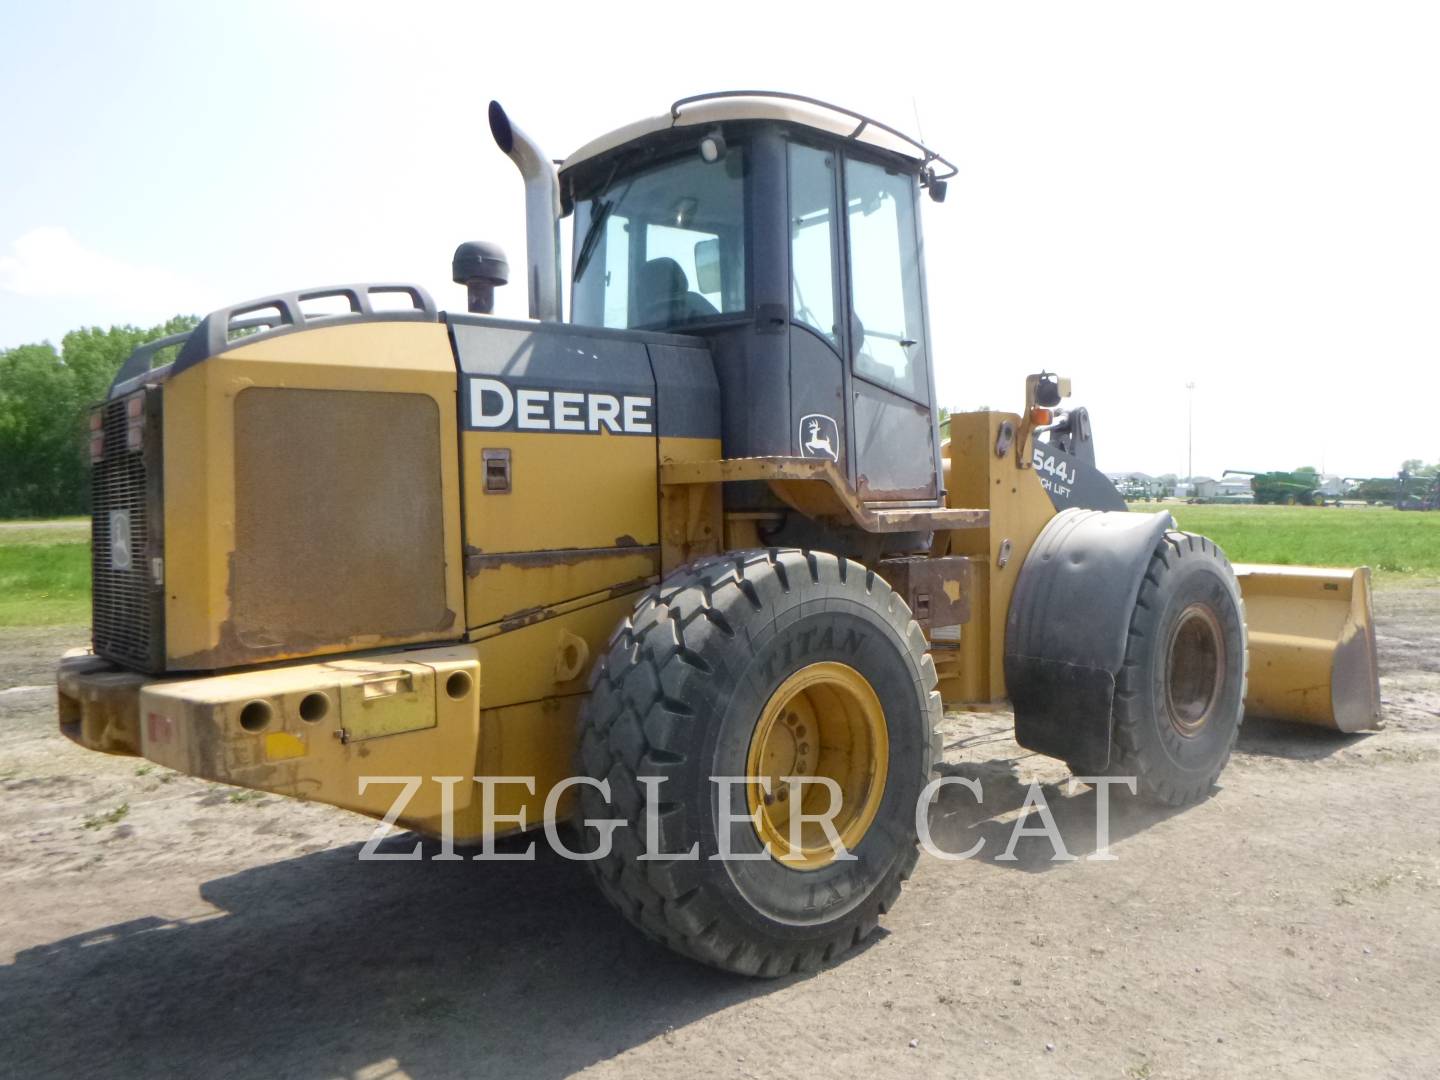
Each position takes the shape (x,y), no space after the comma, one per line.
(120,540)
(819,437)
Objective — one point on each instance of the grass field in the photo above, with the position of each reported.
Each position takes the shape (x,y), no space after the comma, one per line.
(44,572)
(45,566)
(1393,543)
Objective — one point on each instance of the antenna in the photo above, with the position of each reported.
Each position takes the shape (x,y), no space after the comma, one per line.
(915,107)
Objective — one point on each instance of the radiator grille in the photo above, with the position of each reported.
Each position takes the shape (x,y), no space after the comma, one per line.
(127,599)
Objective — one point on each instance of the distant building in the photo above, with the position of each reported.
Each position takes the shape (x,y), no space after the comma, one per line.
(1138,485)
(1230,488)
(1197,487)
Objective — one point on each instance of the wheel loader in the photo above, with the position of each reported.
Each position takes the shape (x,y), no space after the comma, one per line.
(692,566)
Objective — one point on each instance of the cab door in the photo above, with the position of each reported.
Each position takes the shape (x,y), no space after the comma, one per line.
(892,391)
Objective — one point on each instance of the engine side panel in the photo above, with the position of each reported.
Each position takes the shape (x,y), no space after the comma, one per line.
(565,425)
(563,430)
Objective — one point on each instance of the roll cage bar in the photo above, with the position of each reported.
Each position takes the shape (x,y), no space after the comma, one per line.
(929,156)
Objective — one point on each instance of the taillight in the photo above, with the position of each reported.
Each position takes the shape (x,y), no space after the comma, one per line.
(135,421)
(97,435)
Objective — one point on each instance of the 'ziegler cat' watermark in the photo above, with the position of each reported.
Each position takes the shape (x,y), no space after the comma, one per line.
(1033,806)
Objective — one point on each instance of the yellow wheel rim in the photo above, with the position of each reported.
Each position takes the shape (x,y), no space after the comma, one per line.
(824,721)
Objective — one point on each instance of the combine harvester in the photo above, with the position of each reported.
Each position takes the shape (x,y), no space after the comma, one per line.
(1281,488)
(704,528)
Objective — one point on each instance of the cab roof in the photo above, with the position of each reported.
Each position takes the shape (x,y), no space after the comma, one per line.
(731,105)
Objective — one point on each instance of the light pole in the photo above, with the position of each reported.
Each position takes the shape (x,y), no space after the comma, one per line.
(1190,435)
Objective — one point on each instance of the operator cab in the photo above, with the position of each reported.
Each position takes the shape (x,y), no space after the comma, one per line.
(723,219)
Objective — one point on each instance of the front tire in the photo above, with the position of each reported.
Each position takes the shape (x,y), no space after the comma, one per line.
(1180,694)
(760,663)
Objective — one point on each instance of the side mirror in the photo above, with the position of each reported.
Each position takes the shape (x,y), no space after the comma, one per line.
(936,187)
(707,266)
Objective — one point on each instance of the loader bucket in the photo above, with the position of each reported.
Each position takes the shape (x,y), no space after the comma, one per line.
(1312,646)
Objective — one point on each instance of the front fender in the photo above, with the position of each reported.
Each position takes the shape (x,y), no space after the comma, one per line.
(1065,632)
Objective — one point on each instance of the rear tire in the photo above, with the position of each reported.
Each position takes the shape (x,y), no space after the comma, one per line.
(689,688)
(1180,694)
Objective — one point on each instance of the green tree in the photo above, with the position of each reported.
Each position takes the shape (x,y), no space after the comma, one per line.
(45,398)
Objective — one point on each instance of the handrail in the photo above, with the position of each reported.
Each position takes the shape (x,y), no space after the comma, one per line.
(284,312)
(138,362)
(279,312)
(864,121)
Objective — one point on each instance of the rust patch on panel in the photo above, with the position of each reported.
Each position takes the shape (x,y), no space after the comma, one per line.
(526,617)
(232,650)
(937,590)
(632,585)
(531,615)
(920,494)
(477,563)
(818,489)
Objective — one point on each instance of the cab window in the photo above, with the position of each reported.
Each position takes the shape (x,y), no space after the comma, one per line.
(888,328)
(663,247)
(812,240)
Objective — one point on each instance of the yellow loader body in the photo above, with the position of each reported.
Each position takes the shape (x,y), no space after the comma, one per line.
(344,543)
(394,709)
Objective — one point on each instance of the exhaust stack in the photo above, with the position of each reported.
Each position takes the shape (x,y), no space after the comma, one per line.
(542,214)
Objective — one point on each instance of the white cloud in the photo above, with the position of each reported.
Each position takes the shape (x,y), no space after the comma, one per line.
(49,262)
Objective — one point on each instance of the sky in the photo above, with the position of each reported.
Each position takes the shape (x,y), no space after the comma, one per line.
(1242,196)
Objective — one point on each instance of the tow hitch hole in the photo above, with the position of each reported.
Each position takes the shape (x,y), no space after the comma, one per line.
(256,716)
(313,707)
(457,685)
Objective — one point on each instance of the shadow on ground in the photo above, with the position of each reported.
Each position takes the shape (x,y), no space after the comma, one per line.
(323,965)
(961,817)
(1294,742)
(327,966)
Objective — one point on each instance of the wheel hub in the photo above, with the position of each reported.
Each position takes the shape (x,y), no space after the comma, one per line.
(1194,670)
(823,722)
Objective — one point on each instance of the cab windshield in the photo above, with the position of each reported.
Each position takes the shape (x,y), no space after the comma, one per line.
(663,247)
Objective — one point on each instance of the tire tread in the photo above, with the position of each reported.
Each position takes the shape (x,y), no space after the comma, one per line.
(632,721)
(1129,702)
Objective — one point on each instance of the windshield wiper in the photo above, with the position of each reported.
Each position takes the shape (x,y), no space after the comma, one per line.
(592,237)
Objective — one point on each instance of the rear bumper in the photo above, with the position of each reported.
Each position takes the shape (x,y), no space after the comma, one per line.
(99,704)
(311,731)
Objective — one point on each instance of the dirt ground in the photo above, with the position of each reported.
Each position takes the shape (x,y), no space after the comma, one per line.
(1288,926)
